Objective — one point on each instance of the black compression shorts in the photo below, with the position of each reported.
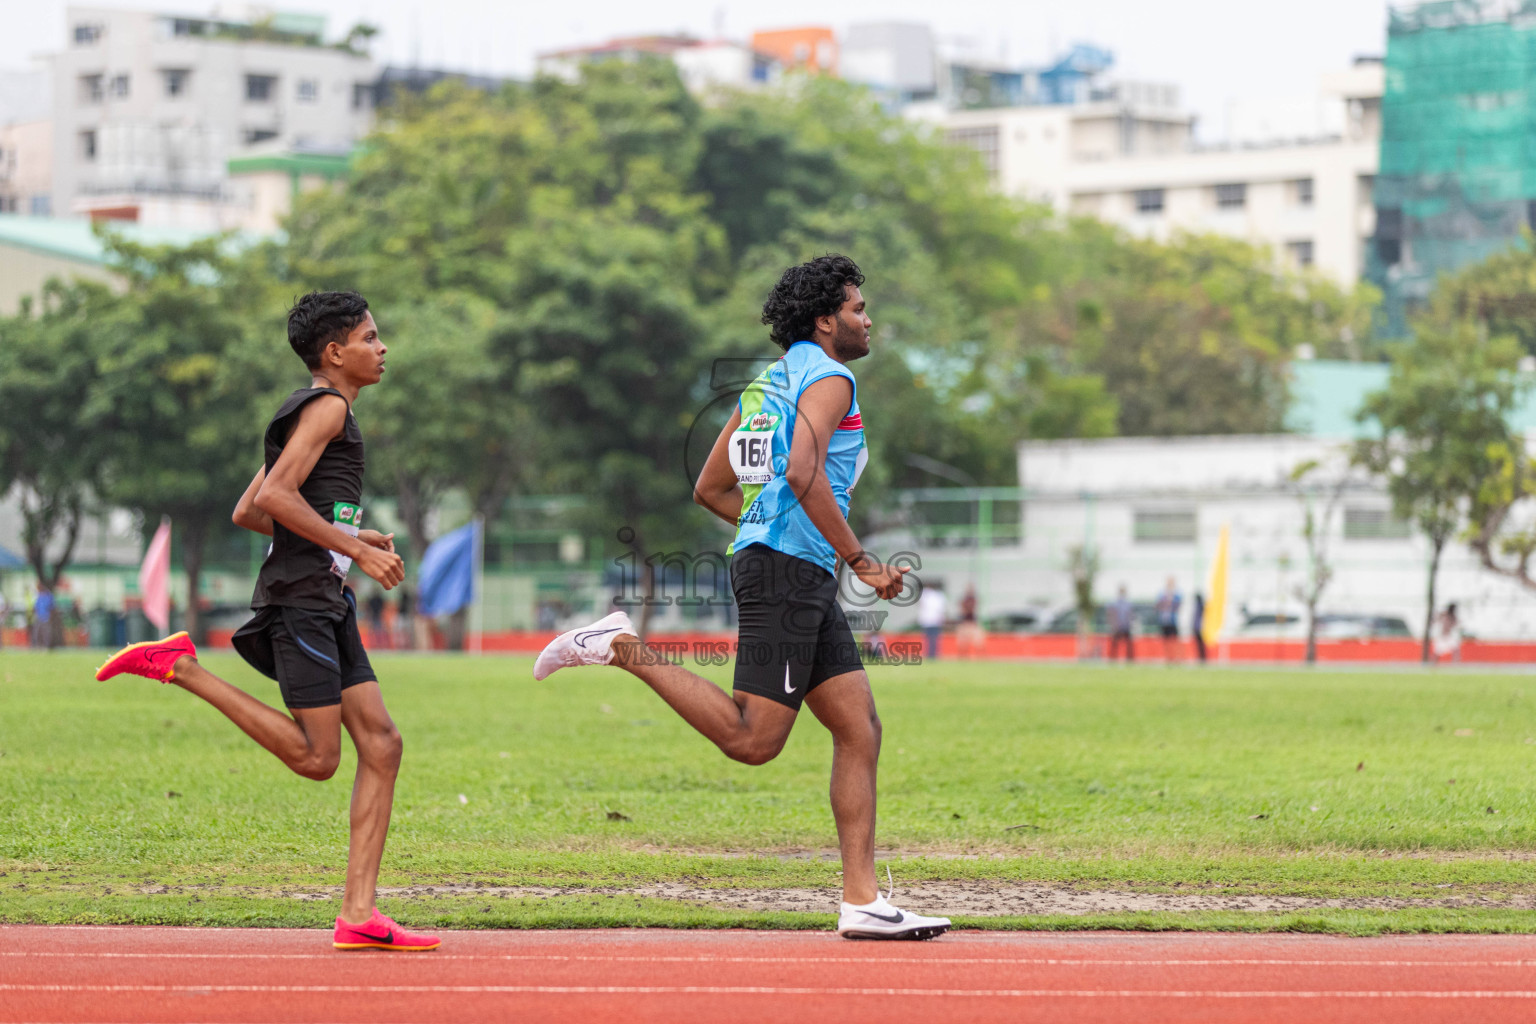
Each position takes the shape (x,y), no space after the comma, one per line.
(312,655)
(793,633)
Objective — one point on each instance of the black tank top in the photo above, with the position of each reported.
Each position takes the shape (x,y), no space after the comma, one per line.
(299,573)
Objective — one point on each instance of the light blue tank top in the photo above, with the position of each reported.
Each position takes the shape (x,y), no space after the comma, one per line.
(759,451)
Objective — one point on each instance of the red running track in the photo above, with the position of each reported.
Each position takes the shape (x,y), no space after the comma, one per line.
(174,975)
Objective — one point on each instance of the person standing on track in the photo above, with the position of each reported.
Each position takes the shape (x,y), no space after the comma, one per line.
(781,472)
(308,498)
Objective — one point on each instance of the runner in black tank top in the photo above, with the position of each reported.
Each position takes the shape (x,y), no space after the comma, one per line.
(297,572)
(308,498)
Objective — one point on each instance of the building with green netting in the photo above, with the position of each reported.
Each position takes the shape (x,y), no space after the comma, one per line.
(1457,179)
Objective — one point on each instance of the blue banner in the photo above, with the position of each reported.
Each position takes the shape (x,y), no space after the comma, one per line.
(447,574)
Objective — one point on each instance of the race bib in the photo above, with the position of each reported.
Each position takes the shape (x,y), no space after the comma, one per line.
(348,518)
(751,449)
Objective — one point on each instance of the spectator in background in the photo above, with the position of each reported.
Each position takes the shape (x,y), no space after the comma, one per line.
(379,637)
(932,608)
(1122,620)
(1168,604)
(1446,642)
(968,635)
(1197,626)
(406,618)
(42,619)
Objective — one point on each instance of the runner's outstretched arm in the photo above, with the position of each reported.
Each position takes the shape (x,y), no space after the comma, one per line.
(821,407)
(278,496)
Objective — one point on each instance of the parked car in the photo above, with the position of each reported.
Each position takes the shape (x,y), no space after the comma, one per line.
(1330,626)
(1027,621)
(1145,611)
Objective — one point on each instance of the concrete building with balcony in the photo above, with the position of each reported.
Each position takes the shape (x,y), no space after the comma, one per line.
(1127,156)
(149,108)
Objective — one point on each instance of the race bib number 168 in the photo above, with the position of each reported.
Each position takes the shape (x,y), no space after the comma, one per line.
(752,455)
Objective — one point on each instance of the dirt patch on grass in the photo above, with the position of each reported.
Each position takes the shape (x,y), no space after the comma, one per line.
(952,899)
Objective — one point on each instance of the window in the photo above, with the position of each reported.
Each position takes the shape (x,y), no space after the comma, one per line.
(983,140)
(1231,197)
(176,81)
(1149,200)
(1300,252)
(86,35)
(88,145)
(90,89)
(119,87)
(1164,526)
(309,90)
(260,88)
(1301,191)
(1373,524)
(362,95)
(254,135)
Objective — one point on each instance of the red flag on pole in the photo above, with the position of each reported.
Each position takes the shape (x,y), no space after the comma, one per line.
(155,577)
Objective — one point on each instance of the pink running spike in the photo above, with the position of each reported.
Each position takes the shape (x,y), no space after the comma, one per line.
(153,659)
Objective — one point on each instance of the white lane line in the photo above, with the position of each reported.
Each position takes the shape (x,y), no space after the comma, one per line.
(777,990)
(862,961)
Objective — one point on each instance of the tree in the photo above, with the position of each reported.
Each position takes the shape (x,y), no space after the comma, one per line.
(1192,336)
(190,361)
(1440,426)
(1498,294)
(1319,506)
(52,442)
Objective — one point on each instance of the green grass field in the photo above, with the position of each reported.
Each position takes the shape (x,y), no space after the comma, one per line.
(132,801)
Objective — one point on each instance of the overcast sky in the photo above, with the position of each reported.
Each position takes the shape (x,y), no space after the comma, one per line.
(1220,52)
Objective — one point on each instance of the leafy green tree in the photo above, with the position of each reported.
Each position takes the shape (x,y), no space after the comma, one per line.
(190,361)
(446,417)
(1191,336)
(52,442)
(1498,294)
(1441,428)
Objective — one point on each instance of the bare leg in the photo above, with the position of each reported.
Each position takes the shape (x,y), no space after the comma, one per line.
(309,742)
(373,794)
(846,706)
(745,727)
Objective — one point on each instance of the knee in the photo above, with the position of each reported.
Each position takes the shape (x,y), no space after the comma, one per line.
(383,748)
(754,750)
(317,765)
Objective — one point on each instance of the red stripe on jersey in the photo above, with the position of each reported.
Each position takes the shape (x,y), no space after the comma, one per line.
(854,422)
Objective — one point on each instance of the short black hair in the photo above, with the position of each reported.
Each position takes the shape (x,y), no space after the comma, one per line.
(806,292)
(316,320)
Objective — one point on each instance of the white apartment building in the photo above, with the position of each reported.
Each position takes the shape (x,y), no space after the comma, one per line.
(149,108)
(1132,162)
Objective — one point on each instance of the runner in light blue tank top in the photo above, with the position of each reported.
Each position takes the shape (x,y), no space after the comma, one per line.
(760,451)
(781,472)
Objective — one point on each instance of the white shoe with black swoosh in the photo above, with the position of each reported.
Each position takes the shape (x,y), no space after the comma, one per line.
(880,920)
(586,645)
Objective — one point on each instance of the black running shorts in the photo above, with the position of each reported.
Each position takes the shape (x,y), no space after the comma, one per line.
(794,635)
(312,655)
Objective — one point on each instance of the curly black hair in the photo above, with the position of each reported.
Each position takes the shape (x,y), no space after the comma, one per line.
(806,292)
(319,317)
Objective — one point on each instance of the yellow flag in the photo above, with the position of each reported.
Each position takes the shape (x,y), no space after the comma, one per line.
(1216,604)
